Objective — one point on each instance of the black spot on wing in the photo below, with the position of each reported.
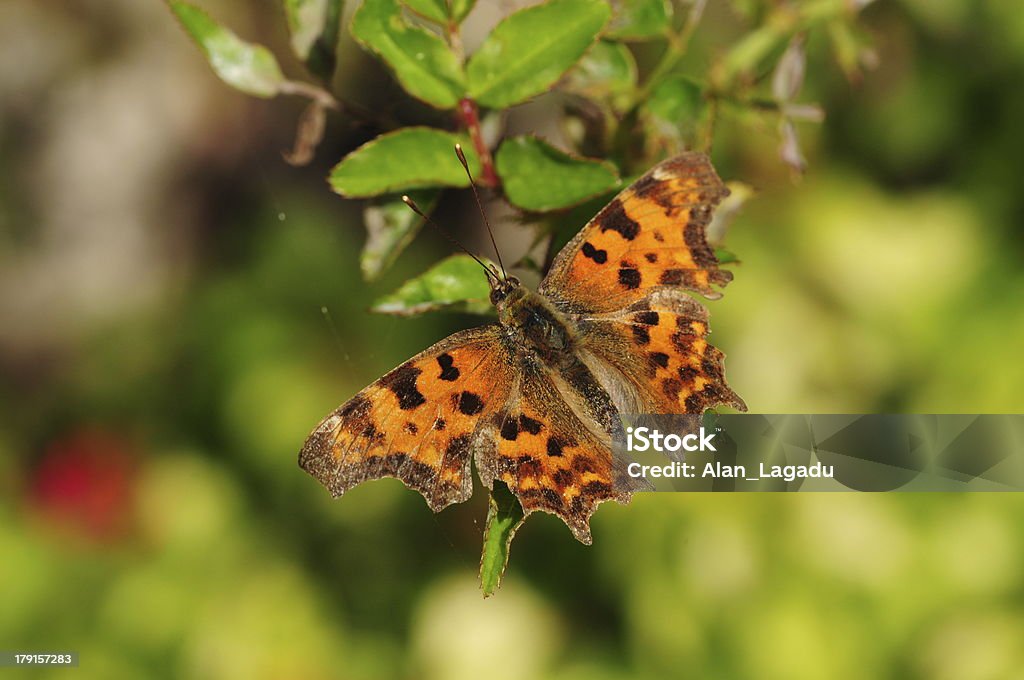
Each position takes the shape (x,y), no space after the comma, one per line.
(598,256)
(629,278)
(510,429)
(528,424)
(614,218)
(641,335)
(448,370)
(470,404)
(563,478)
(688,373)
(402,383)
(649,318)
(371,433)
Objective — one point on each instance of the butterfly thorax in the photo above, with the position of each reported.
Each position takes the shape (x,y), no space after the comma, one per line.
(534,323)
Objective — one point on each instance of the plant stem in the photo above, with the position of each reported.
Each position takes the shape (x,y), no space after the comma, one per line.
(328,101)
(470,115)
(471,119)
(455,40)
(674,51)
(317,94)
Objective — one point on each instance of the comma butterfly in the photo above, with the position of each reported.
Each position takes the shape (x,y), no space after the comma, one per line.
(535,398)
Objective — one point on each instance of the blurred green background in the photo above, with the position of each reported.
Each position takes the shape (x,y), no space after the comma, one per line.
(164,352)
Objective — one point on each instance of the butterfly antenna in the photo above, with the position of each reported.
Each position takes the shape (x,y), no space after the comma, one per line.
(476,195)
(416,209)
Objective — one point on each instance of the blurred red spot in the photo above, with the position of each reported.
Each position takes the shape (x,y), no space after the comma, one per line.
(85,483)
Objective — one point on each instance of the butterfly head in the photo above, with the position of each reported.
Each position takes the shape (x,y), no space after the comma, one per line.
(504,289)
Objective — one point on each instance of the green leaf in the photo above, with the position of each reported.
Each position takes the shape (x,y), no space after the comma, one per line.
(313,25)
(537,176)
(504,517)
(460,9)
(421,61)
(244,66)
(390,227)
(640,19)
(530,50)
(441,11)
(726,256)
(674,112)
(435,10)
(409,158)
(676,100)
(608,69)
(456,283)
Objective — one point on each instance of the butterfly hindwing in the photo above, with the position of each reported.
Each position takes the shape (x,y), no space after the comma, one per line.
(652,234)
(550,459)
(420,423)
(659,345)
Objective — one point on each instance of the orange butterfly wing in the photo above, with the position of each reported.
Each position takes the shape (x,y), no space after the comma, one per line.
(624,274)
(470,397)
(550,459)
(652,234)
(659,345)
(421,423)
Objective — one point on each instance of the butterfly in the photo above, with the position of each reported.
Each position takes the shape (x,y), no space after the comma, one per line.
(535,399)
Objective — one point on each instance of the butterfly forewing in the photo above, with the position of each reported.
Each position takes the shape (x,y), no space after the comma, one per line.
(652,234)
(420,423)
